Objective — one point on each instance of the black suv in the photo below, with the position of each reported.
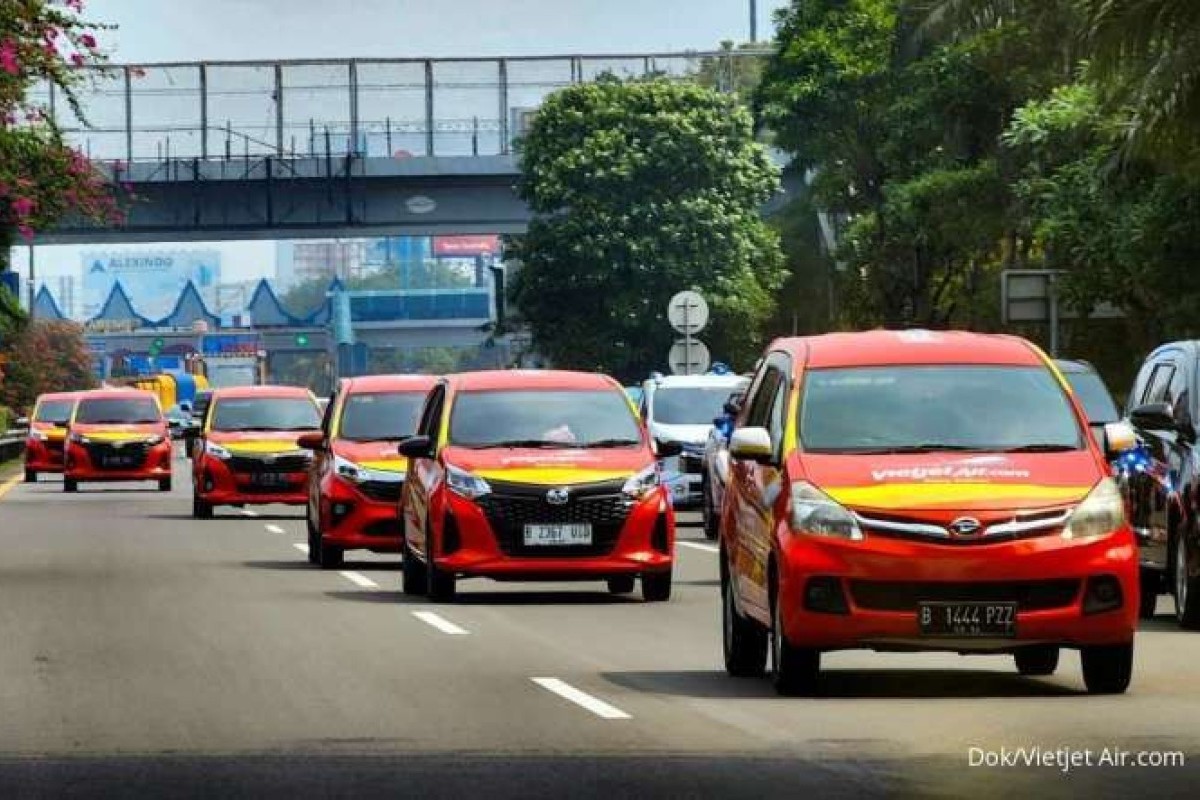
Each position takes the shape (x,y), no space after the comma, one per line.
(1164,484)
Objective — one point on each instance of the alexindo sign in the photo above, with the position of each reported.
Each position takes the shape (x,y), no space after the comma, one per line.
(152,280)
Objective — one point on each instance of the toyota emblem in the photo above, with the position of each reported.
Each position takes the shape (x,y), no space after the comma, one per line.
(558,497)
(965,526)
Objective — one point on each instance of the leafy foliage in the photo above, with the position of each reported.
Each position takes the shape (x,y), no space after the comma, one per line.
(45,357)
(641,189)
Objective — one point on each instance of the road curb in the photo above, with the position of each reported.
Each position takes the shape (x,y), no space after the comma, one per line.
(8,484)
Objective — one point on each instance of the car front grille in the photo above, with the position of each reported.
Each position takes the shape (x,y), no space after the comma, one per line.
(125,456)
(267,463)
(906,595)
(382,491)
(512,506)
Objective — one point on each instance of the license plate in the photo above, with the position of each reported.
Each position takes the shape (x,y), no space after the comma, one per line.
(116,462)
(967,619)
(536,535)
(270,479)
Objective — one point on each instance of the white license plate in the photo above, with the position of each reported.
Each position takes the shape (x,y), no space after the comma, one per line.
(558,534)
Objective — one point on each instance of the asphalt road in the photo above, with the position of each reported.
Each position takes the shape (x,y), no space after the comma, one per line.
(147,654)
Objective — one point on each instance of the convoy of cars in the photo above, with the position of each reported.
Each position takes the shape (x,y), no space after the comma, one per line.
(889,490)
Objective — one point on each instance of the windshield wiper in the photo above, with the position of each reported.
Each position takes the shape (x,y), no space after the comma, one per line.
(599,443)
(1041,447)
(923,447)
(541,444)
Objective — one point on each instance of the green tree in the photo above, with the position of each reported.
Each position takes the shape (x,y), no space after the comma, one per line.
(640,189)
(45,357)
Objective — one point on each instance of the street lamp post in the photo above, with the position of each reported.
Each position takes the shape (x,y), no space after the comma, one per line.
(753,21)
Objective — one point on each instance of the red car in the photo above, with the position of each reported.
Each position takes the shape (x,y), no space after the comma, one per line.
(919,490)
(117,435)
(357,474)
(247,452)
(48,434)
(534,475)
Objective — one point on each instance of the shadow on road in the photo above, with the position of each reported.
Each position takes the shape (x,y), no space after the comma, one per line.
(858,684)
(299,564)
(543,598)
(396,598)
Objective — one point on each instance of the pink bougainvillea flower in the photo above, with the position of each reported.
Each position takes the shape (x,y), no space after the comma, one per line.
(8,58)
(23,206)
(77,59)
(25,231)
(75,5)
(88,41)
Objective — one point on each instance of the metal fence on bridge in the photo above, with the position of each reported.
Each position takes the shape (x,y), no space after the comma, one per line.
(363,107)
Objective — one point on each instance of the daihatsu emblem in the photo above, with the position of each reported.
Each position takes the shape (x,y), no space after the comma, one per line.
(558,497)
(965,526)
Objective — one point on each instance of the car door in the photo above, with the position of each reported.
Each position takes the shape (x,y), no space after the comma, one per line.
(424,474)
(754,487)
(1153,489)
(323,457)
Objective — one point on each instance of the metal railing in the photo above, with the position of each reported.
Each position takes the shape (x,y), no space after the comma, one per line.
(11,446)
(361,107)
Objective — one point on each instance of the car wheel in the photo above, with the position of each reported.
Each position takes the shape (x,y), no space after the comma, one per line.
(30,476)
(1037,661)
(164,484)
(622,584)
(1107,669)
(794,670)
(70,485)
(1149,583)
(711,527)
(201,509)
(313,535)
(656,586)
(414,578)
(328,556)
(443,585)
(1187,588)
(743,641)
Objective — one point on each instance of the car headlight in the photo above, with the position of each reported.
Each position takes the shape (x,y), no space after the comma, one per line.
(216,451)
(155,440)
(38,436)
(348,469)
(466,484)
(642,484)
(79,438)
(1100,513)
(816,513)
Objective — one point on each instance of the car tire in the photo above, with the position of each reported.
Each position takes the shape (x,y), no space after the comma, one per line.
(794,670)
(442,585)
(70,485)
(1107,669)
(743,641)
(621,584)
(164,484)
(1149,583)
(656,586)
(30,476)
(328,556)
(1038,661)
(711,520)
(1185,587)
(313,535)
(201,509)
(413,576)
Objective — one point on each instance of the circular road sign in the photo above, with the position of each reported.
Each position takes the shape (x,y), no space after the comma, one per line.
(689,357)
(688,313)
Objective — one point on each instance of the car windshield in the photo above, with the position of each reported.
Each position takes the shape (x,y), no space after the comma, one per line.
(1093,394)
(54,411)
(117,411)
(380,416)
(545,418)
(932,408)
(265,414)
(689,405)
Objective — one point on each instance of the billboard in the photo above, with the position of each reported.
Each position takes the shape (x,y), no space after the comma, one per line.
(151,279)
(466,246)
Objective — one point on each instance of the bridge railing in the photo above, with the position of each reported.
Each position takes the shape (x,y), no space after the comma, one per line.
(368,107)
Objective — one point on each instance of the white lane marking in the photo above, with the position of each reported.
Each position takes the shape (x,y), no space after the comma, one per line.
(247,512)
(356,579)
(303,548)
(441,623)
(708,548)
(580,698)
(275,529)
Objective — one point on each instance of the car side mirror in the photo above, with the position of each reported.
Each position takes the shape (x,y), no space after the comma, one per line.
(664,448)
(752,444)
(311,441)
(416,447)
(1154,417)
(1119,437)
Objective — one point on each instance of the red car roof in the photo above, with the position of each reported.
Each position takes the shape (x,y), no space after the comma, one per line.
(531,379)
(58,396)
(390,383)
(93,394)
(261,391)
(884,347)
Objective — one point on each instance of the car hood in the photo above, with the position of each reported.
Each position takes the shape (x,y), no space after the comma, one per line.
(949,483)
(686,434)
(551,467)
(381,455)
(119,433)
(251,442)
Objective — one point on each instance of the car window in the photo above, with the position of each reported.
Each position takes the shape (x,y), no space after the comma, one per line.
(233,414)
(898,408)
(378,416)
(1093,395)
(432,413)
(118,411)
(760,404)
(54,411)
(688,405)
(543,417)
(1160,382)
(327,414)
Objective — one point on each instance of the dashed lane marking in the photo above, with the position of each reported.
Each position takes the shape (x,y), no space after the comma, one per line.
(274,529)
(581,698)
(441,623)
(358,580)
(708,548)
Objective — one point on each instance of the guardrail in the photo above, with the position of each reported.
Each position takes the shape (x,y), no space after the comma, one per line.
(11,446)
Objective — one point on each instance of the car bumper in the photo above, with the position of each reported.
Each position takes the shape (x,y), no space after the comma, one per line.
(352,520)
(883,581)
(79,466)
(217,485)
(644,544)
